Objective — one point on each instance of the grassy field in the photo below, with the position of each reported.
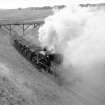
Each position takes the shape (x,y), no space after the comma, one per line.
(15,15)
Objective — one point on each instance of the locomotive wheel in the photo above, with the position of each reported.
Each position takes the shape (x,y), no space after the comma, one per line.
(28,54)
(22,49)
(19,46)
(34,59)
(25,51)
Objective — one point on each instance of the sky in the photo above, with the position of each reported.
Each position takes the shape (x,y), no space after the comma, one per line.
(10,4)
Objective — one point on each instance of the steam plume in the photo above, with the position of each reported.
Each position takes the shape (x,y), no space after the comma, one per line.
(78,34)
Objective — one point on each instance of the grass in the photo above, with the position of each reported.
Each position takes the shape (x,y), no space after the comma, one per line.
(23,84)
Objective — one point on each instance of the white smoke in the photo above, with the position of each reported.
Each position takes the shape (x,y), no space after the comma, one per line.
(78,34)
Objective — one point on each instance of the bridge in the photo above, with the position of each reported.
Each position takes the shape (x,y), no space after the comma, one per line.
(23,25)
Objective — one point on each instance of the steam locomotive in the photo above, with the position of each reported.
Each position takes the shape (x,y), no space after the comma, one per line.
(40,57)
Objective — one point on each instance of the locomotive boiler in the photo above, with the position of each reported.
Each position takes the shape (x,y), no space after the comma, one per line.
(41,58)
